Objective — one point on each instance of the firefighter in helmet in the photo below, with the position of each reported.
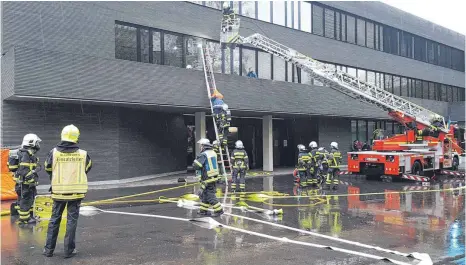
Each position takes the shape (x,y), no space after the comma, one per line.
(240,161)
(334,162)
(312,180)
(303,165)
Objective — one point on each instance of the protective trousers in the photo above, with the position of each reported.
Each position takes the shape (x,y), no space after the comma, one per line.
(28,193)
(71,224)
(303,177)
(312,179)
(332,178)
(209,199)
(238,178)
(15,206)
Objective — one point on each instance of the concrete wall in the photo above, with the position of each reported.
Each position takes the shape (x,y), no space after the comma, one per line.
(40,73)
(335,130)
(456,111)
(121,142)
(87,28)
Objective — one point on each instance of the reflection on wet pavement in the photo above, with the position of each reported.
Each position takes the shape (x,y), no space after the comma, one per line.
(389,215)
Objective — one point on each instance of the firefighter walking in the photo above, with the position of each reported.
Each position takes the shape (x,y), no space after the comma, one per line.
(67,166)
(26,176)
(240,161)
(207,164)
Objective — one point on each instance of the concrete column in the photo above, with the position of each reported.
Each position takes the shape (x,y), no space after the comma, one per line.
(267,136)
(199,123)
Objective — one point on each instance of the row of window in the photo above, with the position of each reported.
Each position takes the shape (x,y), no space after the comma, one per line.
(155,46)
(362,129)
(332,23)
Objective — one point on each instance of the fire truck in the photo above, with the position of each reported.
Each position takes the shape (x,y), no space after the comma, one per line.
(427,147)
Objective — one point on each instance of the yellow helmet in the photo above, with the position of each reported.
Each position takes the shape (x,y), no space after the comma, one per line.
(70,134)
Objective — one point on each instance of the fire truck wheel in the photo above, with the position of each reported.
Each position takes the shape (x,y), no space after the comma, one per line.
(417,169)
(456,163)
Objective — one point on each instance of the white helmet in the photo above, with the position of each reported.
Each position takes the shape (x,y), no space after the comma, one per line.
(334,145)
(239,144)
(215,142)
(204,141)
(31,140)
(225,5)
(313,144)
(321,149)
(301,147)
(225,107)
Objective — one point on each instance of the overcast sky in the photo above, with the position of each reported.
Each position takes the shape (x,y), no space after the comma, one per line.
(448,13)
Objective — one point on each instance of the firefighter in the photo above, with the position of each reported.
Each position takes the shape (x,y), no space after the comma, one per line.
(223,120)
(312,180)
(26,176)
(334,162)
(67,166)
(228,17)
(321,158)
(303,165)
(216,148)
(206,163)
(240,161)
(13,164)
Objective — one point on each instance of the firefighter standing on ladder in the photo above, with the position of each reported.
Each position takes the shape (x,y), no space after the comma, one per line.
(207,164)
(240,161)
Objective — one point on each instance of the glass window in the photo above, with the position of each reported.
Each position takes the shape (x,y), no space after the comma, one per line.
(248,61)
(396,85)
(215,52)
(352,71)
(369,35)
(362,75)
(317,20)
(289,13)
(350,29)
(248,9)
(236,61)
(306,78)
(420,52)
(296,19)
(381,30)
(430,52)
(388,83)
(343,27)
(193,59)
(289,76)
(156,48)
(404,87)
(337,26)
(461,94)
(305,16)
(263,10)
(371,77)
(361,32)
(418,88)
(278,69)
(406,48)
(265,66)
(354,130)
(329,23)
(362,131)
(227,54)
(214,4)
(449,94)
(235,6)
(125,42)
(438,93)
(279,12)
(413,88)
(376,38)
(425,89)
(379,80)
(173,50)
(443,93)
(144,41)
(457,59)
(431,91)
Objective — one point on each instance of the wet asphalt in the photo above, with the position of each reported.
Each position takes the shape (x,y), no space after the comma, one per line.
(429,220)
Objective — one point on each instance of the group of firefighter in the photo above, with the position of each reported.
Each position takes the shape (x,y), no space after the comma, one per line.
(318,166)
(208,164)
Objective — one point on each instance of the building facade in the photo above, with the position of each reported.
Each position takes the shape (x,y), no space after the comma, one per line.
(128,74)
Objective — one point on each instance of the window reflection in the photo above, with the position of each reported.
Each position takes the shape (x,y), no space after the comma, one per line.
(263,10)
(173,45)
(248,9)
(125,42)
(278,69)
(279,12)
(265,66)
(306,16)
(248,61)
(193,59)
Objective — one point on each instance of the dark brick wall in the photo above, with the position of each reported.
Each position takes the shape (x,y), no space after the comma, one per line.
(122,142)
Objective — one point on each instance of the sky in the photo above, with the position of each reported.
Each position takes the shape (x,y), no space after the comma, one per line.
(447,13)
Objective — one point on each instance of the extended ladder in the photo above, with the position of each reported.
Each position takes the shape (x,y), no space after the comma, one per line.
(344,82)
(210,85)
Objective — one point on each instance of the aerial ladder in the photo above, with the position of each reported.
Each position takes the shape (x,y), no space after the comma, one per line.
(411,115)
(211,87)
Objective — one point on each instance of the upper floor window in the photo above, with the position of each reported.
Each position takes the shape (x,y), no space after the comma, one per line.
(126,44)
